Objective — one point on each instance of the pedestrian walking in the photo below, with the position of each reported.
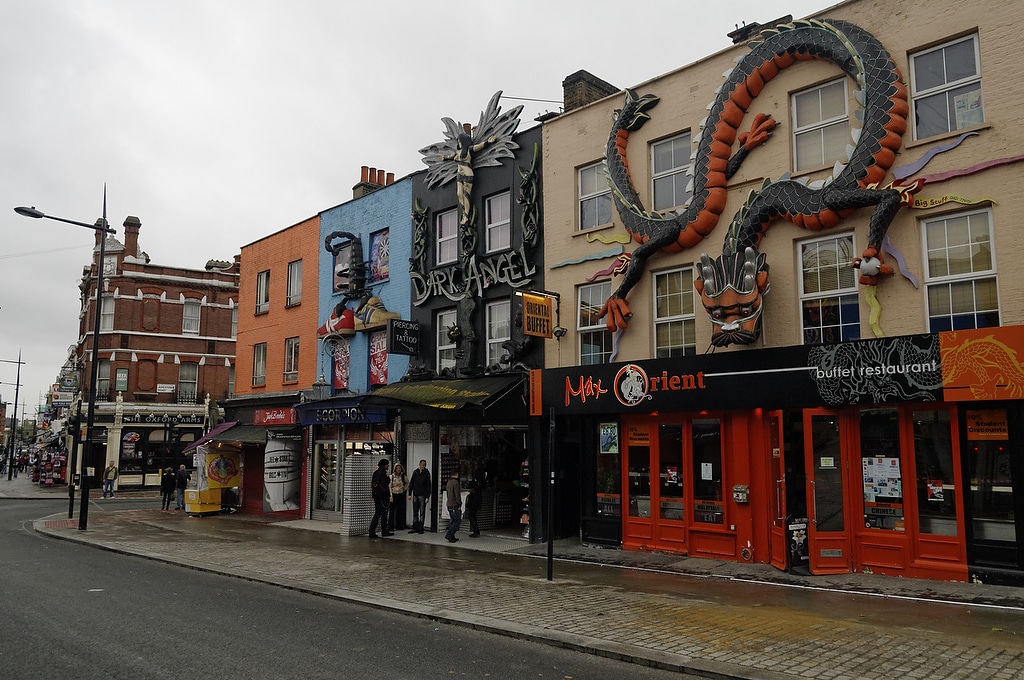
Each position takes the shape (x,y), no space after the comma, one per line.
(181,480)
(453,501)
(399,486)
(167,484)
(109,476)
(473,502)
(419,493)
(380,489)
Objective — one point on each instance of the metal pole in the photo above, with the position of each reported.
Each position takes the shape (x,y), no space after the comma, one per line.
(76,440)
(551,495)
(83,511)
(14,423)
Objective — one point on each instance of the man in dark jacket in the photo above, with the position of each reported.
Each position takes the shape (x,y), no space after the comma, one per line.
(380,489)
(167,484)
(419,492)
(181,479)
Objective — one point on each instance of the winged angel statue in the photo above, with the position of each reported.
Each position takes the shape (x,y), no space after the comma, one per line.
(466,148)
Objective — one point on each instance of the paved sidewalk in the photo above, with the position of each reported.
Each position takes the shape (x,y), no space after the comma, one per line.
(709,618)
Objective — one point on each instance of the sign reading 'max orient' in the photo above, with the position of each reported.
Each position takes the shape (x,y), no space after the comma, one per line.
(884,370)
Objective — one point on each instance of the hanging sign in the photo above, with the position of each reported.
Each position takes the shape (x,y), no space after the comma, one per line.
(538,312)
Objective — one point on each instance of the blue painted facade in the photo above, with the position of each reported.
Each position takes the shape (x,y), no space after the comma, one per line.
(388,208)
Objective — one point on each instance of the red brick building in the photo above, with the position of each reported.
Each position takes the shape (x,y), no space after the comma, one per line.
(166,345)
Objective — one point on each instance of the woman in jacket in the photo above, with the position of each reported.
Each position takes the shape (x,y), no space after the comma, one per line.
(399,486)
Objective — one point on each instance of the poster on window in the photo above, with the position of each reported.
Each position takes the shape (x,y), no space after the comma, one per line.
(609,438)
(968,109)
(883,493)
(379,358)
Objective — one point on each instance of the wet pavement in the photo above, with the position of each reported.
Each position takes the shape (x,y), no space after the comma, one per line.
(705,617)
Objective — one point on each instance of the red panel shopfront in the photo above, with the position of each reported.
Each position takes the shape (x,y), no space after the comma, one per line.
(857,444)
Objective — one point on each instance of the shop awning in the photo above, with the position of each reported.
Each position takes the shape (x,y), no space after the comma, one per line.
(210,435)
(445,394)
(244,434)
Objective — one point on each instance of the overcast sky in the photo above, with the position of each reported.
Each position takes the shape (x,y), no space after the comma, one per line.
(218,122)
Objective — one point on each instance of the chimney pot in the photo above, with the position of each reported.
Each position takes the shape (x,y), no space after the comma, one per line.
(365,177)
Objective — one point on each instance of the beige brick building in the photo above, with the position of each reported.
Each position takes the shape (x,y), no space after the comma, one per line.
(948,510)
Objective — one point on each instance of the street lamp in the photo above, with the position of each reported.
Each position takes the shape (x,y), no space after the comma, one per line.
(104,229)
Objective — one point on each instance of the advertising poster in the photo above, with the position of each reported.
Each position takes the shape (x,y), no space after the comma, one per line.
(223,469)
(379,358)
(339,379)
(609,438)
(282,472)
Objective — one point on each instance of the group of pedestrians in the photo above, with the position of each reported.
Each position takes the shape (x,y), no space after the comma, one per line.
(172,485)
(390,492)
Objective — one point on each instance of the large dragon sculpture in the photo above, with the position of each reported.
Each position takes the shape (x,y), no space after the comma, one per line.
(731,286)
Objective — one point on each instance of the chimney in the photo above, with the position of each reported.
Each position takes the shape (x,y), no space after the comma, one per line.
(131,236)
(582,88)
(370,180)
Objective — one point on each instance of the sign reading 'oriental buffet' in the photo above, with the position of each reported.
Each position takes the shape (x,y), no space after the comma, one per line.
(537,316)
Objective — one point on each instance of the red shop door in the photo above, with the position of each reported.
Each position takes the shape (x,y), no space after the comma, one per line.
(654,465)
(827,452)
(777,543)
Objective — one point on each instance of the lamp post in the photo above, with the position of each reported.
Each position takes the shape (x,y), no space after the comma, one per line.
(104,229)
(14,419)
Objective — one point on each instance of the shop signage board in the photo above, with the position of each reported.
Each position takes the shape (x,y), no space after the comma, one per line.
(884,370)
(538,313)
(275,416)
(403,337)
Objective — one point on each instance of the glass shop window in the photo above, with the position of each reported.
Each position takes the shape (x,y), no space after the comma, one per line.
(707,470)
(936,478)
(639,451)
(670,460)
(609,472)
(880,466)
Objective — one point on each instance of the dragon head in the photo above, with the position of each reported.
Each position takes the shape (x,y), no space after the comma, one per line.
(732,289)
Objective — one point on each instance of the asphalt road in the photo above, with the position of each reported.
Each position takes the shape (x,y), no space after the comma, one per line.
(72,611)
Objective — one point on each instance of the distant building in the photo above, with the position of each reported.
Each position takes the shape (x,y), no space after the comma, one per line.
(166,346)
